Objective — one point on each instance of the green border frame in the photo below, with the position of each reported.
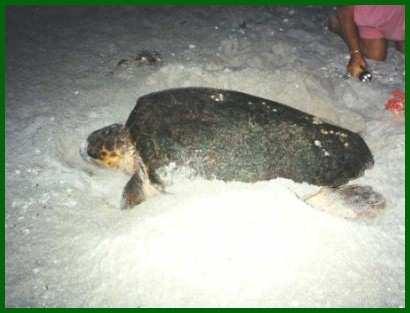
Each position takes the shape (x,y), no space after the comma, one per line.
(2,144)
(197,2)
(6,3)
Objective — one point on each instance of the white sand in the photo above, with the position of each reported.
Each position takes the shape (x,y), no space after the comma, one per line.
(206,243)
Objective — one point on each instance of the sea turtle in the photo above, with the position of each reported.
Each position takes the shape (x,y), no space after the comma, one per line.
(232,136)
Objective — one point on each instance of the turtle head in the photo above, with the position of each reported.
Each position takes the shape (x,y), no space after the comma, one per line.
(110,147)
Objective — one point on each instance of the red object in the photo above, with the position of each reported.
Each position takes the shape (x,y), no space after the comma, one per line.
(396,101)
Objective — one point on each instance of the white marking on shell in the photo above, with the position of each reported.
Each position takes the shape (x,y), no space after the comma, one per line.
(317,143)
(326,153)
(346,144)
(218,97)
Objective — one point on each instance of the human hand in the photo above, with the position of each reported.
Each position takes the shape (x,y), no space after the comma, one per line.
(357,65)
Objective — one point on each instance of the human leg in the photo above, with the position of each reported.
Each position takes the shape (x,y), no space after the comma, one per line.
(374,49)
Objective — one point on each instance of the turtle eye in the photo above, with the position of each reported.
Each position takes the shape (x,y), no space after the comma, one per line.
(92,152)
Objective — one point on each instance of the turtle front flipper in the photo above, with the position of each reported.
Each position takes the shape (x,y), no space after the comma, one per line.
(353,202)
(137,190)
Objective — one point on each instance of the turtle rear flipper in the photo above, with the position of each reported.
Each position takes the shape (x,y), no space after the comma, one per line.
(137,190)
(349,201)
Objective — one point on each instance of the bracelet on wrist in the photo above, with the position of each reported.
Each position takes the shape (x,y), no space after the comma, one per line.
(355,52)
